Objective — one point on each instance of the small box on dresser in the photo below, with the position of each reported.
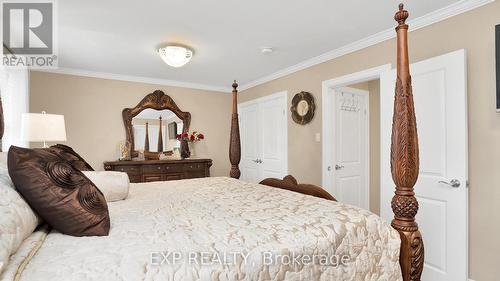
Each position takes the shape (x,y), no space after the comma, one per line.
(161,170)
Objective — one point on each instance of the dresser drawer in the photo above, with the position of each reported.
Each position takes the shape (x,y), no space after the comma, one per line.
(161,169)
(196,174)
(135,178)
(131,170)
(173,177)
(152,169)
(150,178)
(194,167)
(172,168)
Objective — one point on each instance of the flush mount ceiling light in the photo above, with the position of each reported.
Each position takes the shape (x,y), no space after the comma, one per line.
(175,56)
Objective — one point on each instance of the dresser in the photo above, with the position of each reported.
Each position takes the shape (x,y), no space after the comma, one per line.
(161,170)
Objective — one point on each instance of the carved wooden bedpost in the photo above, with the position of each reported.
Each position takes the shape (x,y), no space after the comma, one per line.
(234,144)
(146,139)
(160,139)
(405,160)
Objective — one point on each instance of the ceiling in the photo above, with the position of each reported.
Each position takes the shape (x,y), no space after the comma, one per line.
(120,37)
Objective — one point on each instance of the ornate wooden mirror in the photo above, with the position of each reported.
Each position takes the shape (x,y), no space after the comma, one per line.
(153,124)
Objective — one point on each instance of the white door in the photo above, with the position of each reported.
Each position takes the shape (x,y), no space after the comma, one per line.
(439,90)
(351,147)
(264,145)
(273,137)
(250,142)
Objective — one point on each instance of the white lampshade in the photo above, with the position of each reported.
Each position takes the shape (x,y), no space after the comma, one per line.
(42,127)
(175,56)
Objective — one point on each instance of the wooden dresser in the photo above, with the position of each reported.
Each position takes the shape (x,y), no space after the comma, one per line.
(161,170)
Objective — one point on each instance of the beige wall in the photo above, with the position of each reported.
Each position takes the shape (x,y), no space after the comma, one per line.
(93,107)
(472,31)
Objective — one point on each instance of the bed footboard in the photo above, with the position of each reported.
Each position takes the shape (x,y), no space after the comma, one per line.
(290,183)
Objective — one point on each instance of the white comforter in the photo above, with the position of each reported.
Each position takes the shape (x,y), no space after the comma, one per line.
(224,229)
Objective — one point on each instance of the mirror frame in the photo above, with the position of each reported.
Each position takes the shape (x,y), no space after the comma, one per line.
(157,100)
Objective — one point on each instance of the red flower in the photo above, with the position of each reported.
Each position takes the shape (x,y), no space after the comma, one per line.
(201,136)
(192,138)
(185,135)
(178,136)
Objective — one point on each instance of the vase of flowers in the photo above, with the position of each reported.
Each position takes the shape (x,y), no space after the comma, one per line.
(191,139)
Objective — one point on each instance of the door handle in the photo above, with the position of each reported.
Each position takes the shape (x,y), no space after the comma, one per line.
(453,183)
(337,167)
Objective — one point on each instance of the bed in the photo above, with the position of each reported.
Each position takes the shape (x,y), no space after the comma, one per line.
(221,215)
(226,229)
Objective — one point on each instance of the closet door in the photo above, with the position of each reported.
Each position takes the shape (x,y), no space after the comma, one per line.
(250,142)
(264,144)
(273,134)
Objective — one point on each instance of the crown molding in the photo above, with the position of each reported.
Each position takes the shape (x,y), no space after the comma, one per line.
(415,24)
(138,79)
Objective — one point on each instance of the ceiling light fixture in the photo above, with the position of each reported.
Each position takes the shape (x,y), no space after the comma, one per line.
(175,56)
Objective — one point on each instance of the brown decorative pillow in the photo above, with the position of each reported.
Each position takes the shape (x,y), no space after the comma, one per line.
(67,153)
(58,192)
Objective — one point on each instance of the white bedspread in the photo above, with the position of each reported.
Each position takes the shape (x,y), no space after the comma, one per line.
(224,229)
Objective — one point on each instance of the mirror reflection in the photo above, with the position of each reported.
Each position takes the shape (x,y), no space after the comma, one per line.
(156,130)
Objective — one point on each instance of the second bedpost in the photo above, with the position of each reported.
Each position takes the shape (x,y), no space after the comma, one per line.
(234,143)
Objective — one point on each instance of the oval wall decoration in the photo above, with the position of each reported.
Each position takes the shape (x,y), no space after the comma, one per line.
(303,108)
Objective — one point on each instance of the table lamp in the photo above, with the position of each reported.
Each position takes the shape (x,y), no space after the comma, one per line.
(42,127)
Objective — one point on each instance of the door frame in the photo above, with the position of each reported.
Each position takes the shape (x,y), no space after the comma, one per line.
(284,96)
(328,110)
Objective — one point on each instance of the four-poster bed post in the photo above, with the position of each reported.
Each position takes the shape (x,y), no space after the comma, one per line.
(146,140)
(234,143)
(160,138)
(404,159)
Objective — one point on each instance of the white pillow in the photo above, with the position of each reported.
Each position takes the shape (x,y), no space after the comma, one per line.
(17,219)
(114,185)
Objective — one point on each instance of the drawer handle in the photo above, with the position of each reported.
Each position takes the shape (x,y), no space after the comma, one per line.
(159,168)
